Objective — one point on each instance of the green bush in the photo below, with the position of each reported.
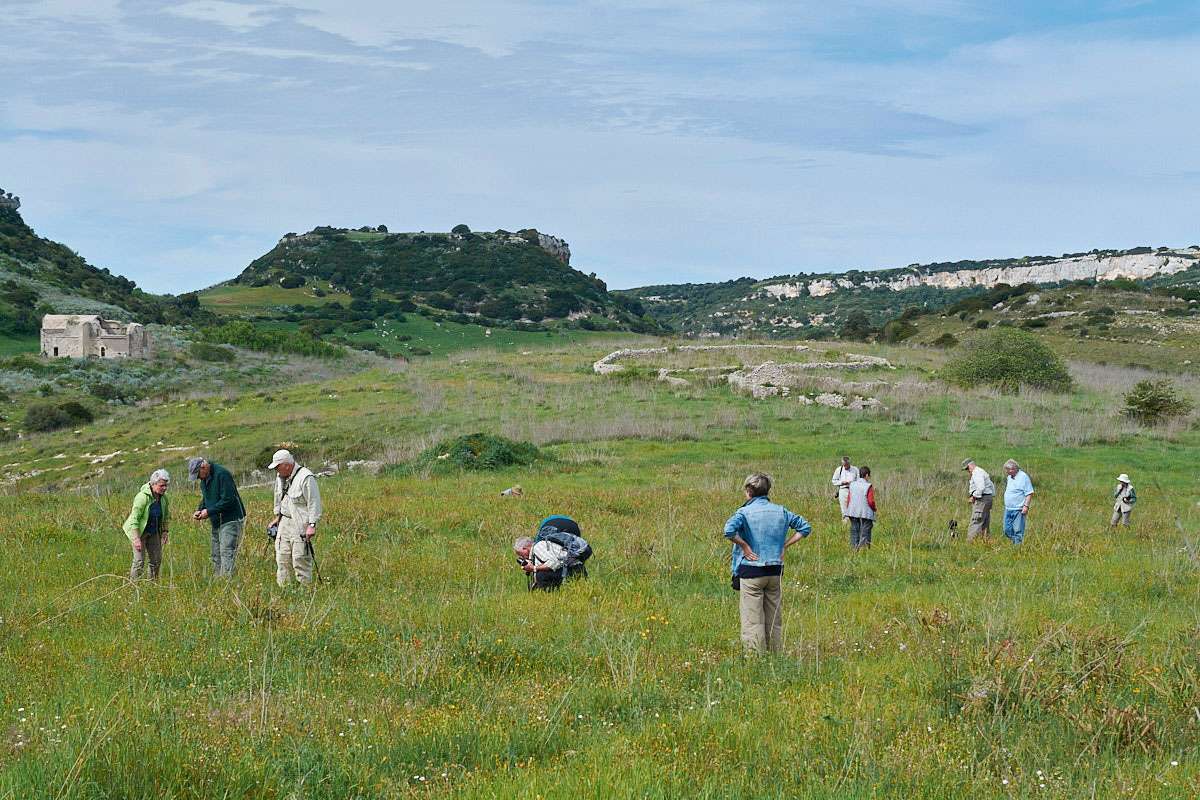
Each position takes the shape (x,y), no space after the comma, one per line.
(52,416)
(1008,359)
(478,452)
(897,330)
(946,340)
(205,351)
(1152,402)
(292,281)
(981,324)
(246,334)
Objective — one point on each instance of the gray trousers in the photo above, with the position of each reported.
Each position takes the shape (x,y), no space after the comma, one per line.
(860,532)
(981,518)
(761,608)
(1120,517)
(151,549)
(225,541)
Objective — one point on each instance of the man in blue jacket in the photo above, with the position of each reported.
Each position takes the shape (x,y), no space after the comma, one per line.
(222,506)
(759,532)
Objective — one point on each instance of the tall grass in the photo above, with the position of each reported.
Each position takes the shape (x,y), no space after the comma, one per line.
(421,667)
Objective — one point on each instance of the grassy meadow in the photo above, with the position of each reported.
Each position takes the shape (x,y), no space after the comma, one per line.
(420,667)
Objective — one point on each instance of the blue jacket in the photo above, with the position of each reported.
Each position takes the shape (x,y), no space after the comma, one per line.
(764,525)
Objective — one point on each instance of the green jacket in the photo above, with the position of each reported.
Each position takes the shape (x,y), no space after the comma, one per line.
(139,516)
(220,496)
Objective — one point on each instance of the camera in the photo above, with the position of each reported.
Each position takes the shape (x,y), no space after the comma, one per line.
(522,561)
(272,532)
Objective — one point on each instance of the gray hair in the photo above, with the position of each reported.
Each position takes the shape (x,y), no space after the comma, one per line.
(758,484)
(1011,463)
(522,543)
(160,475)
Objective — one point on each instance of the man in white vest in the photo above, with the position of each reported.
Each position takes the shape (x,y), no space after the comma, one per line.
(297,511)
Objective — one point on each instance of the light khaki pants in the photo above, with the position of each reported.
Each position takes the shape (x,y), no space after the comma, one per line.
(981,518)
(290,553)
(1120,517)
(761,607)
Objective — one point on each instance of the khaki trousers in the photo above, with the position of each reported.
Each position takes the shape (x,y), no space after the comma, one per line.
(981,518)
(291,555)
(761,607)
(1120,517)
(152,549)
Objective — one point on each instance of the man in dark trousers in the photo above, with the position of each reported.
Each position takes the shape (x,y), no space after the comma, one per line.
(222,506)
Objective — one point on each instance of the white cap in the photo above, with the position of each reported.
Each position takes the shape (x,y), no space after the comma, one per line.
(1122,478)
(281,457)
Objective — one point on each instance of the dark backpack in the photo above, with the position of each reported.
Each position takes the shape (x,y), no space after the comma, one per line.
(576,546)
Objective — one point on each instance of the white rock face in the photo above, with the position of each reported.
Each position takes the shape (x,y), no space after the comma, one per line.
(1088,267)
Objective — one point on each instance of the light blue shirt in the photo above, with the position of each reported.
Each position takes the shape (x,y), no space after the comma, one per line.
(1017,490)
(764,526)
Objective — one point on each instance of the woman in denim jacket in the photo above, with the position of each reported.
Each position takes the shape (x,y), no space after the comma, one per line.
(759,532)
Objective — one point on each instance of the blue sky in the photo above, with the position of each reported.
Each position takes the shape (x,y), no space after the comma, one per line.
(667,141)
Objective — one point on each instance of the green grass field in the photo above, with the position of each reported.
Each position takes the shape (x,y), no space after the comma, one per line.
(238,300)
(420,667)
(14,345)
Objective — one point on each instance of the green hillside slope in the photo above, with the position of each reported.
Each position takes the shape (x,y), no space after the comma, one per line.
(818,305)
(39,276)
(355,278)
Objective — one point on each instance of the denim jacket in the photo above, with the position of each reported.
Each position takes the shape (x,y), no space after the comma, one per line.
(764,525)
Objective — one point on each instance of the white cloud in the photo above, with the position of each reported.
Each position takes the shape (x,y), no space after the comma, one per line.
(240,17)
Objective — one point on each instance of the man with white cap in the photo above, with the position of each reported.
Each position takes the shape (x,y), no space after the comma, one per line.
(297,511)
(1125,497)
(981,492)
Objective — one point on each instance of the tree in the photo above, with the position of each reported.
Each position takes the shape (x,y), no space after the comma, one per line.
(857,327)
(461,230)
(1008,359)
(1152,402)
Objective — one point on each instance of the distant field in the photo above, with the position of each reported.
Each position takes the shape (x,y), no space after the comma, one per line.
(242,300)
(925,668)
(440,338)
(11,346)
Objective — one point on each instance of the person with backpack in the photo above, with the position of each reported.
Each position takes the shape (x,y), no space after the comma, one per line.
(1125,496)
(759,533)
(556,554)
(860,508)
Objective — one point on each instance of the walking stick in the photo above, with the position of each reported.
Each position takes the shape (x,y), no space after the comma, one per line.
(311,553)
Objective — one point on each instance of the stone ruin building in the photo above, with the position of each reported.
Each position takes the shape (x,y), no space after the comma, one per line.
(83,335)
(9,200)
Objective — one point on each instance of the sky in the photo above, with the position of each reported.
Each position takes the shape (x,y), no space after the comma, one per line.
(666,140)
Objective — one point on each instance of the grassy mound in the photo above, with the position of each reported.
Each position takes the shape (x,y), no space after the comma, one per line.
(1008,359)
(478,452)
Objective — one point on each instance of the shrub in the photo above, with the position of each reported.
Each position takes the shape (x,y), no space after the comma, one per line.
(946,340)
(1152,402)
(981,324)
(1037,322)
(52,416)
(204,351)
(1008,359)
(479,452)
(292,281)
(103,391)
(897,330)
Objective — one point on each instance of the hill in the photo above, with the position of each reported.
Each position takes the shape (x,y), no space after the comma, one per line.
(819,304)
(354,280)
(39,276)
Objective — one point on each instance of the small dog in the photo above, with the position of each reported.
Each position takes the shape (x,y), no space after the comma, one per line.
(952,529)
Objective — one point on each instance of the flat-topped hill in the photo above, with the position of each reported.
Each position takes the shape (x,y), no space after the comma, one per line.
(497,279)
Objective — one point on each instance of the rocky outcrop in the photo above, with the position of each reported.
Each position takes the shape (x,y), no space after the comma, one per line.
(1098,267)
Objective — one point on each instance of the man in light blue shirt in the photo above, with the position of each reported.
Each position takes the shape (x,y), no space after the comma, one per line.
(1016,501)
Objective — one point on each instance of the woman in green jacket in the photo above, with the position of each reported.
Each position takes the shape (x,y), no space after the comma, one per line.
(146,526)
